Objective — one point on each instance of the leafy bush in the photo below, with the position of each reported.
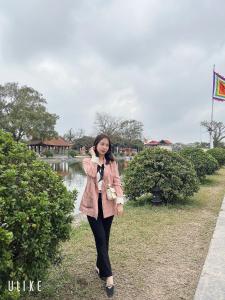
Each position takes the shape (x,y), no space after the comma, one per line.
(212,164)
(72,153)
(150,168)
(47,153)
(6,263)
(218,154)
(36,207)
(203,162)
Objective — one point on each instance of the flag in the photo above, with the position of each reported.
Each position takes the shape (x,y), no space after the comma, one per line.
(218,87)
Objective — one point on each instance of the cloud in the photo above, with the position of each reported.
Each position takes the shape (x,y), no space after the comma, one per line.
(149,60)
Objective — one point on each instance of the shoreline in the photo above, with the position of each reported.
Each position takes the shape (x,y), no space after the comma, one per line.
(63,158)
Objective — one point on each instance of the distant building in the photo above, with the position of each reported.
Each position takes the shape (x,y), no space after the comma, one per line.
(151,143)
(56,145)
(128,151)
(165,144)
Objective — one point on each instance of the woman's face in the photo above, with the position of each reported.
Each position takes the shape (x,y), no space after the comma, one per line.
(103,146)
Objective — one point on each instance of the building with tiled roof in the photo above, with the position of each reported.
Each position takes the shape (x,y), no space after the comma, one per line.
(165,144)
(151,143)
(58,145)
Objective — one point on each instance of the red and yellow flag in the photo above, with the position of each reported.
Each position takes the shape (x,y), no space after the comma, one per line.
(218,87)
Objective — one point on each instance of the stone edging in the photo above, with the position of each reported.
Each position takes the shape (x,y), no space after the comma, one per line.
(211,285)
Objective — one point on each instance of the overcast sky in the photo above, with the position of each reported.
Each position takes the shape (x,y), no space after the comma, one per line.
(149,60)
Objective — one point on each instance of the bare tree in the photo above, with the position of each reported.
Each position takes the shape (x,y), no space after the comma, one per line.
(69,135)
(72,135)
(79,133)
(105,123)
(131,130)
(217,129)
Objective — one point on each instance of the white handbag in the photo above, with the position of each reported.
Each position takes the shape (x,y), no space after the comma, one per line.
(111,193)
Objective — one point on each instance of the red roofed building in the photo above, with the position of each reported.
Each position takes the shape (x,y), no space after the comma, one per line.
(151,143)
(165,144)
(58,145)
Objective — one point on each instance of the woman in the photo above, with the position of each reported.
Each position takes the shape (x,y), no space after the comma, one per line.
(102,171)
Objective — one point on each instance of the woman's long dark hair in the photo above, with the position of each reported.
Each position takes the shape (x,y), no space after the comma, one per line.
(108,156)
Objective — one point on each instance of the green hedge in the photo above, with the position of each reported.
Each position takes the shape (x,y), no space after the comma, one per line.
(72,153)
(37,210)
(48,153)
(203,162)
(218,154)
(172,173)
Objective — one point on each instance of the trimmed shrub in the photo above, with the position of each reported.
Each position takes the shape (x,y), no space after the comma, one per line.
(212,164)
(203,162)
(72,153)
(218,154)
(37,210)
(150,168)
(47,153)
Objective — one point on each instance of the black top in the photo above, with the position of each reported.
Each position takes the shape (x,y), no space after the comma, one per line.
(100,170)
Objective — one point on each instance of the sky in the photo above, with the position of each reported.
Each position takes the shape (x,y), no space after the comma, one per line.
(148,60)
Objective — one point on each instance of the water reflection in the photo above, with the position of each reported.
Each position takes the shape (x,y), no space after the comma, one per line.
(74,176)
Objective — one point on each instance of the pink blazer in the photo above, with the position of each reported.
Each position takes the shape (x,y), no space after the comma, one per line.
(89,201)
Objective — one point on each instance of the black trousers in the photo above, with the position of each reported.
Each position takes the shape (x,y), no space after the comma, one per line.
(101,231)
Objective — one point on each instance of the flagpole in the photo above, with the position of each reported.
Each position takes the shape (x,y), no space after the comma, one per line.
(211,125)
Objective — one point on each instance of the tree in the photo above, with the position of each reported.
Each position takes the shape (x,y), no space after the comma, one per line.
(23,113)
(85,141)
(107,124)
(173,175)
(218,154)
(69,135)
(218,131)
(79,133)
(121,132)
(131,130)
(203,162)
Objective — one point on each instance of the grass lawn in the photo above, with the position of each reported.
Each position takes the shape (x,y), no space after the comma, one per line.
(156,253)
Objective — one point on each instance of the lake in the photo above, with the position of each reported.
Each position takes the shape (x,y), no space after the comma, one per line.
(74,177)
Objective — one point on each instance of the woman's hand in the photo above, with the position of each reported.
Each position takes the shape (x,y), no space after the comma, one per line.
(119,209)
(92,151)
